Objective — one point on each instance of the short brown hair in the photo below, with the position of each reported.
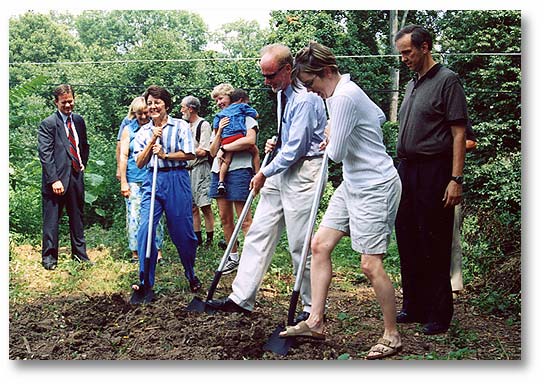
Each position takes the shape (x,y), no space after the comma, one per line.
(62,89)
(159,93)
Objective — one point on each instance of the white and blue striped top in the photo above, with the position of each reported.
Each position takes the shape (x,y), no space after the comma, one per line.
(176,136)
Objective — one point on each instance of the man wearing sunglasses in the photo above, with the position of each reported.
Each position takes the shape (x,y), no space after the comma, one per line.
(287,185)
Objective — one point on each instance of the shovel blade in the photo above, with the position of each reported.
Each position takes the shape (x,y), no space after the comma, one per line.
(143,295)
(277,344)
(200,306)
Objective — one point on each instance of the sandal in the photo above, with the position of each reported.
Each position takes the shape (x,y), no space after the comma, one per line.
(302,330)
(384,349)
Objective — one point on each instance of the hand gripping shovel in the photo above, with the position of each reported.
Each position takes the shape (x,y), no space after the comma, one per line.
(275,343)
(197,304)
(144,294)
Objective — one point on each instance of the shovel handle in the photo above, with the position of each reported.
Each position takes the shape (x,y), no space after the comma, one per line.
(292,308)
(147,282)
(213,286)
(308,239)
(241,218)
(234,235)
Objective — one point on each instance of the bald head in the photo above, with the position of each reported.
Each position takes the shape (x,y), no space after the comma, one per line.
(279,53)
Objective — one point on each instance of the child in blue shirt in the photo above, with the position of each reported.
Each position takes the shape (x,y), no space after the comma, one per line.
(236,112)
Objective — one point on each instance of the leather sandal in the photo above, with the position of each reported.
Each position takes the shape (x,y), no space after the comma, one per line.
(383,348)
(302,330)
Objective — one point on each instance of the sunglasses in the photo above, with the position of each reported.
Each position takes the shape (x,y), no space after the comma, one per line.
(273,75)
(310,83)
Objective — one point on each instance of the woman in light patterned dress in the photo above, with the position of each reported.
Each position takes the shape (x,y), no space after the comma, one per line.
(132,177)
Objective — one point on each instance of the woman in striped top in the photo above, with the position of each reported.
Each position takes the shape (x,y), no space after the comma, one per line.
(172,141)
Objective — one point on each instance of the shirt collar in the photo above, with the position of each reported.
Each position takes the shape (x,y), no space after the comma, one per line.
(429,74)
(64,117)
(150,124)
(288,91)
(344,79)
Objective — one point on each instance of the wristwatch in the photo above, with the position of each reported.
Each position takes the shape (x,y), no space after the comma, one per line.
(166,156)
(223,149)
(457,179)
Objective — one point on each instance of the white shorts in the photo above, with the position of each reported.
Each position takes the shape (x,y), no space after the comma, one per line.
(366,214)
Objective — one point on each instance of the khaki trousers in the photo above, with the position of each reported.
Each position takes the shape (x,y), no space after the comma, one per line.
(456,274)
(285,202)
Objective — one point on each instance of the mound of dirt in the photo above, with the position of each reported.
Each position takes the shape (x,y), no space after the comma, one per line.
(108,328)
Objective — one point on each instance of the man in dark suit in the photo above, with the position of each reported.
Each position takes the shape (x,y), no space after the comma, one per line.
(63,151)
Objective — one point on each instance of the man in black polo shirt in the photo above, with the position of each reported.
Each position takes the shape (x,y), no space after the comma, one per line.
(431,148)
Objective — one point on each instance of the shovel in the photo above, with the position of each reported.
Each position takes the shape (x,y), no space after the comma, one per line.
(275,343)
(145,294)
(197,304)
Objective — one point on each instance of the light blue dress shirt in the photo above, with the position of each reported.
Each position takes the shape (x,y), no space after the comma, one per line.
(303,128)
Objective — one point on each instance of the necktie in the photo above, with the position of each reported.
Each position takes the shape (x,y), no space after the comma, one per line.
(73,146)
(282,102)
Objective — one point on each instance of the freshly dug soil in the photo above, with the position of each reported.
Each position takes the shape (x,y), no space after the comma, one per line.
(108,328)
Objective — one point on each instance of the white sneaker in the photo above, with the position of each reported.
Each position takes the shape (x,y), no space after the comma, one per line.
(230,266)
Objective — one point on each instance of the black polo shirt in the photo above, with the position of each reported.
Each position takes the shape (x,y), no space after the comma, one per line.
(431,105)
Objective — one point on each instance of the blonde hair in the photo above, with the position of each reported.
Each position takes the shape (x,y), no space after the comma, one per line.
(138,103)
(223,89)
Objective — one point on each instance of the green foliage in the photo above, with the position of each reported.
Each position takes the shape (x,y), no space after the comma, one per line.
(498,302)
(492,204)
(241,39)
(486,32)
(390,132)
(30,31)
(24,166)
(19,92)
(126,29)
(103,199)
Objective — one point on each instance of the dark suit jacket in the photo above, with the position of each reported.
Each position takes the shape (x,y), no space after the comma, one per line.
(54,149)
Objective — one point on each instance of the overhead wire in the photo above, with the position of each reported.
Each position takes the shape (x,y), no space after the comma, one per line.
(204,59)
(140,61)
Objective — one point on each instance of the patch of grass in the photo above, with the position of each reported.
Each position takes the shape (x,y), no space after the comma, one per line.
(347,263)
(350,324)
(461,337)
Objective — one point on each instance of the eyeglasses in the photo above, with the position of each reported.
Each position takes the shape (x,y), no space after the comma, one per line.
(310,83)
(273,75)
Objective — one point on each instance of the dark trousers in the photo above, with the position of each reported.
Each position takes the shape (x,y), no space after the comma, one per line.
(424,234)
(52,206)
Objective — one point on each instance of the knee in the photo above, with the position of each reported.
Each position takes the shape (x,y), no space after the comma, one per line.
(370,266)
(318,247)
(226,220)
